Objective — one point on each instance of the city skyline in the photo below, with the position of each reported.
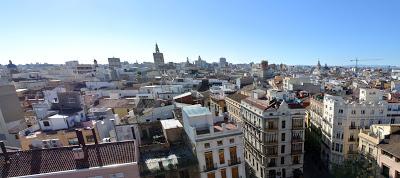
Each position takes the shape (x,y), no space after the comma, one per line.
(280,32)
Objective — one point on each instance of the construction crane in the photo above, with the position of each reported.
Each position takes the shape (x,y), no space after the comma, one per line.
(357,60)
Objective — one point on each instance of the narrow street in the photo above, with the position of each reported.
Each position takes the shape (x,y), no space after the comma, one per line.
(313,168)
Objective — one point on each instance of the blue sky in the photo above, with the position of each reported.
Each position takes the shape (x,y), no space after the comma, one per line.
(281,31)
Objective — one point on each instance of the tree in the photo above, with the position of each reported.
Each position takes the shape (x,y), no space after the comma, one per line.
(357,166)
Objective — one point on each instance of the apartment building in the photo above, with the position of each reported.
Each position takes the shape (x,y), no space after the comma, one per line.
(233,106)
(369,139)
(11,115)
(216,141)
(339,118)
(388,157)
(274,137)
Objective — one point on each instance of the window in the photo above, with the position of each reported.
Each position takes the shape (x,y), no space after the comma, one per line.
(219,143)
(340,111)
(392,121)
(232,140)
(117,175)
(283,137)
(353,112)
(206,145)
(211,175)
(385,170)
(221,156)
(223,173)
(89,138)
(282,148)
(282,160)
(283,124)
(233,154)
(46,123)
(370,150)
(209,160)
(235,172)
(271,125)
(296,159)
(362,111)
(363,148)
(337,147)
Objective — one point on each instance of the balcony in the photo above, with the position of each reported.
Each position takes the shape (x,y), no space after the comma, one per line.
(234,161)
(351,139)
(271,164)
(271,129)
(272,141)
(296,152)
(272,151)
(211,167)
(297,139)
(296,161)
(352,152)
(297,127)
(352,127)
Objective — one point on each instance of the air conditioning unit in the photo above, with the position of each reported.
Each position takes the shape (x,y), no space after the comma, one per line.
(55,143)
(37,143)
(78,153)
(46,144)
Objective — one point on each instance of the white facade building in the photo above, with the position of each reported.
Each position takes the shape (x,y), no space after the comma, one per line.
(341,117)
(217,143)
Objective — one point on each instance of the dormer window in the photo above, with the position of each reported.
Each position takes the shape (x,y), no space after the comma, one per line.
(46,123)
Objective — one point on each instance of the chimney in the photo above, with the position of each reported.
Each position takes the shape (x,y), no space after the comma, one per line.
(81,140)
(95,137)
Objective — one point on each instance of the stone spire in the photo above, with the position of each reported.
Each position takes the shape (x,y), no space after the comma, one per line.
(318,65)
(157,50)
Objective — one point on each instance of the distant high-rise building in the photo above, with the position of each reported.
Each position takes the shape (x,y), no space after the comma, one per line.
(114,63)
(222,62)
(158,57)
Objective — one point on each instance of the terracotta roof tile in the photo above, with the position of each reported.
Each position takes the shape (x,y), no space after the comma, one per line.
(29,162)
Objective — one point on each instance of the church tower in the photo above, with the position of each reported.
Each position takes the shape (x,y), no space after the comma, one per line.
(158,57)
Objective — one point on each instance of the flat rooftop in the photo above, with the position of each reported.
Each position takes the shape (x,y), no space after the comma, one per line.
(196,110)
(171,124)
